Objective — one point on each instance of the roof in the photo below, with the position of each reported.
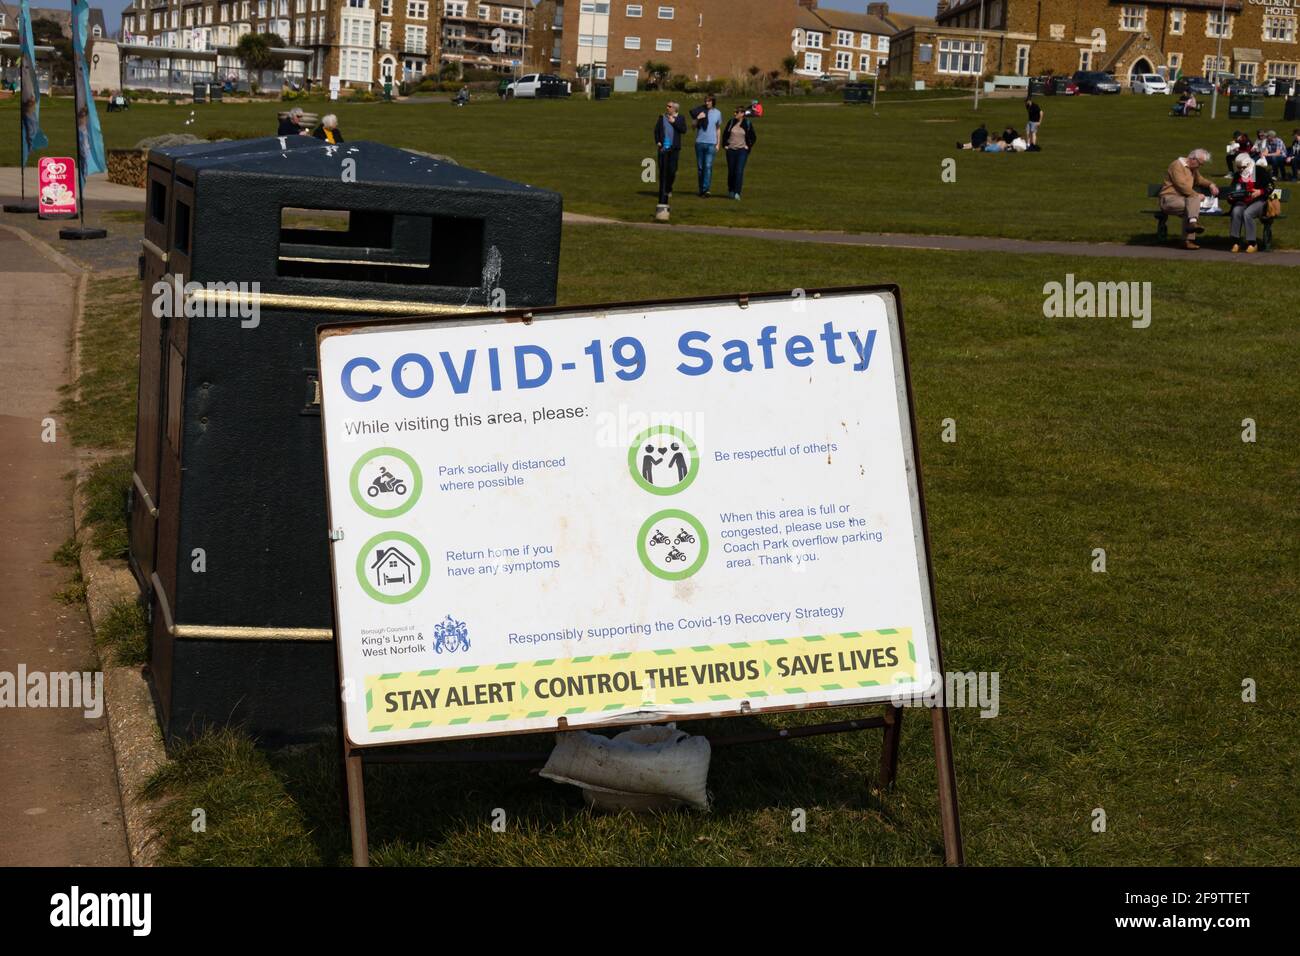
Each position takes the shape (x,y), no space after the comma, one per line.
(825,19)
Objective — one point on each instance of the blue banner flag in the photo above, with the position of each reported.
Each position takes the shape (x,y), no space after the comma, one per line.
(90,141)
(29,87)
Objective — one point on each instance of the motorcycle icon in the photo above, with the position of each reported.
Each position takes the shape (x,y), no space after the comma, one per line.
(676,555)
(660,538)
(684,536)
(386,483)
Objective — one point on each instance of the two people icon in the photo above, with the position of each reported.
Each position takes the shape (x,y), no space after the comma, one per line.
(648,461)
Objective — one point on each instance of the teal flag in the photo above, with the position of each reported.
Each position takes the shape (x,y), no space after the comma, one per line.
(29,87)
(90,141)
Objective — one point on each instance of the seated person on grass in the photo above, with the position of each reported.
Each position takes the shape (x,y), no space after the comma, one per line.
(977,139)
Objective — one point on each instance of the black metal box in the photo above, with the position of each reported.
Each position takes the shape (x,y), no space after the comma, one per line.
(248,248)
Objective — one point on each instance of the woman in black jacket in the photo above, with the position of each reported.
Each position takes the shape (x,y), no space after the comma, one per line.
(737,140)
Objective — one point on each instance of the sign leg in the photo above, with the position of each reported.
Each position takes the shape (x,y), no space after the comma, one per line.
(889,751)
(356,782)
(952,849)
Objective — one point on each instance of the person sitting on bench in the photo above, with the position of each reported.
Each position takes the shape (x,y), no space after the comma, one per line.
(1248,195)
(1179,196)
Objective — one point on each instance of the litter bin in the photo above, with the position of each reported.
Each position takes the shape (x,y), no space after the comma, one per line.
(1291,110)
(1245,105)
(1039,86)
(603,90)
(857,92)
(200,92)
(228,527)
(214,92)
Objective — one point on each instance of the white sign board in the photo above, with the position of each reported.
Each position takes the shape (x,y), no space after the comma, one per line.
(639,513)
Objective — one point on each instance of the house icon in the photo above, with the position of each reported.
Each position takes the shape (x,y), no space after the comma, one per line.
(391,566)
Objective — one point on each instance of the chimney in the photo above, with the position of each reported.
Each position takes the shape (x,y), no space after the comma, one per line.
(878,10)
(810,4)
(943,8)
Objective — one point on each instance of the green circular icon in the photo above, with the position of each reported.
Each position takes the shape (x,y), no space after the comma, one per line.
(642,460)
(382,567)
(385,484)
(669,538)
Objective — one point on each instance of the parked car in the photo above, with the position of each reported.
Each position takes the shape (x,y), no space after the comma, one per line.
(535,85)
(1064,86)
(1096,82)
(1239,88)
(1194,84)
(1149,84)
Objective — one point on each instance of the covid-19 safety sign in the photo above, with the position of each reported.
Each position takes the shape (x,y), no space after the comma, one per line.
(618,514)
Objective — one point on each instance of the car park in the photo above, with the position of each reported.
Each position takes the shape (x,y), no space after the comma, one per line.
(538,86)
(1096,82)
(1198,85)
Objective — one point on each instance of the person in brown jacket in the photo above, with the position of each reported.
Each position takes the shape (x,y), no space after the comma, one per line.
(1178,195)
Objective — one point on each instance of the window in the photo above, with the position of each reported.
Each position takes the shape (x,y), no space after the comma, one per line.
(1218,24)
(1286,72)
(261,8)
(417,10)
(1279,29)
(961,57)
(1211,66)
(866,41)
(1133,19)
(633,10)
(631,43)
(385,8)
(600,72)
(631,72)
(882,44)
(812,40)
(843,60)
(453,8)
(512,15)
(417,39)
(1177,21)
(843,38)
(1022,59)
(1175,63)
(207,14)
(1246,71)
(667,13)
(484,12)
(664,46)
(812,62)
(1085,59)
(864,62)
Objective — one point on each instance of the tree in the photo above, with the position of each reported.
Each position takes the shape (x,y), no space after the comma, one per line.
(46,32)
(788,64)
(255,50)
(656,74)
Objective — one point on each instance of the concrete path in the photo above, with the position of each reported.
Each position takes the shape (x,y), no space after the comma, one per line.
(59,800)
(97,187)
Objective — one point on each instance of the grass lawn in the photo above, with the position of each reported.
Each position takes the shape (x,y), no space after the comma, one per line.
(816,165)
(1120,691)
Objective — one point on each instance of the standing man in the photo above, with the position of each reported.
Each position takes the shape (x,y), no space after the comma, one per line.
(1178,195)
(1035,119)
(670,129)
(708,140)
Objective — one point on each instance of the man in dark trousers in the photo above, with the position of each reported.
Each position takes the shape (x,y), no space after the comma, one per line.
(670,130)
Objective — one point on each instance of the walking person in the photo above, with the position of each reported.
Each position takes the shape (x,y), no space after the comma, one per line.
(737,140)
(1179,195)
(1035,113)
(670,130)
(1251,183)
(708,140)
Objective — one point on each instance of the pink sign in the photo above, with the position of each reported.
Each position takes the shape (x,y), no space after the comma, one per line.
(58,187)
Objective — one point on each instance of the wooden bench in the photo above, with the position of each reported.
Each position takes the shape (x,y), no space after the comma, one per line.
(1162,218)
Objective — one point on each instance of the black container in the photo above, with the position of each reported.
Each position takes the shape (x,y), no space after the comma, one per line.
(229,537)
(1291,110)
(200,92)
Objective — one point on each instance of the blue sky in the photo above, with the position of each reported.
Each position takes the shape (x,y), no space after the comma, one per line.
(113,8)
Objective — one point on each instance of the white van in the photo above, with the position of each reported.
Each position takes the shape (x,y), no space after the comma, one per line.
(1150,84)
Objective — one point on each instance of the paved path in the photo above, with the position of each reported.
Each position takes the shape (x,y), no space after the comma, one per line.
(59,802)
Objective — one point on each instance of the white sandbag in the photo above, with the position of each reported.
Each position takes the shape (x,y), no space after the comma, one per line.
(644,761)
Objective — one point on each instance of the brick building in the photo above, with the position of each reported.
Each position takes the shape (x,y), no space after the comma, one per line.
(845,44)
(1031,37)
(700,39)
(363,42)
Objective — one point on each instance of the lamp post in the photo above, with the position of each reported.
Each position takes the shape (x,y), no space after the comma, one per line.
(1218,59)
(979,73)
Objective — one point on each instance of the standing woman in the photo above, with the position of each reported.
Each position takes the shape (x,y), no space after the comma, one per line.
(737,140)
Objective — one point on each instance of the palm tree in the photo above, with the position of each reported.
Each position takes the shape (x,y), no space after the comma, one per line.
(255,50)
(656,73)
(788,64)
